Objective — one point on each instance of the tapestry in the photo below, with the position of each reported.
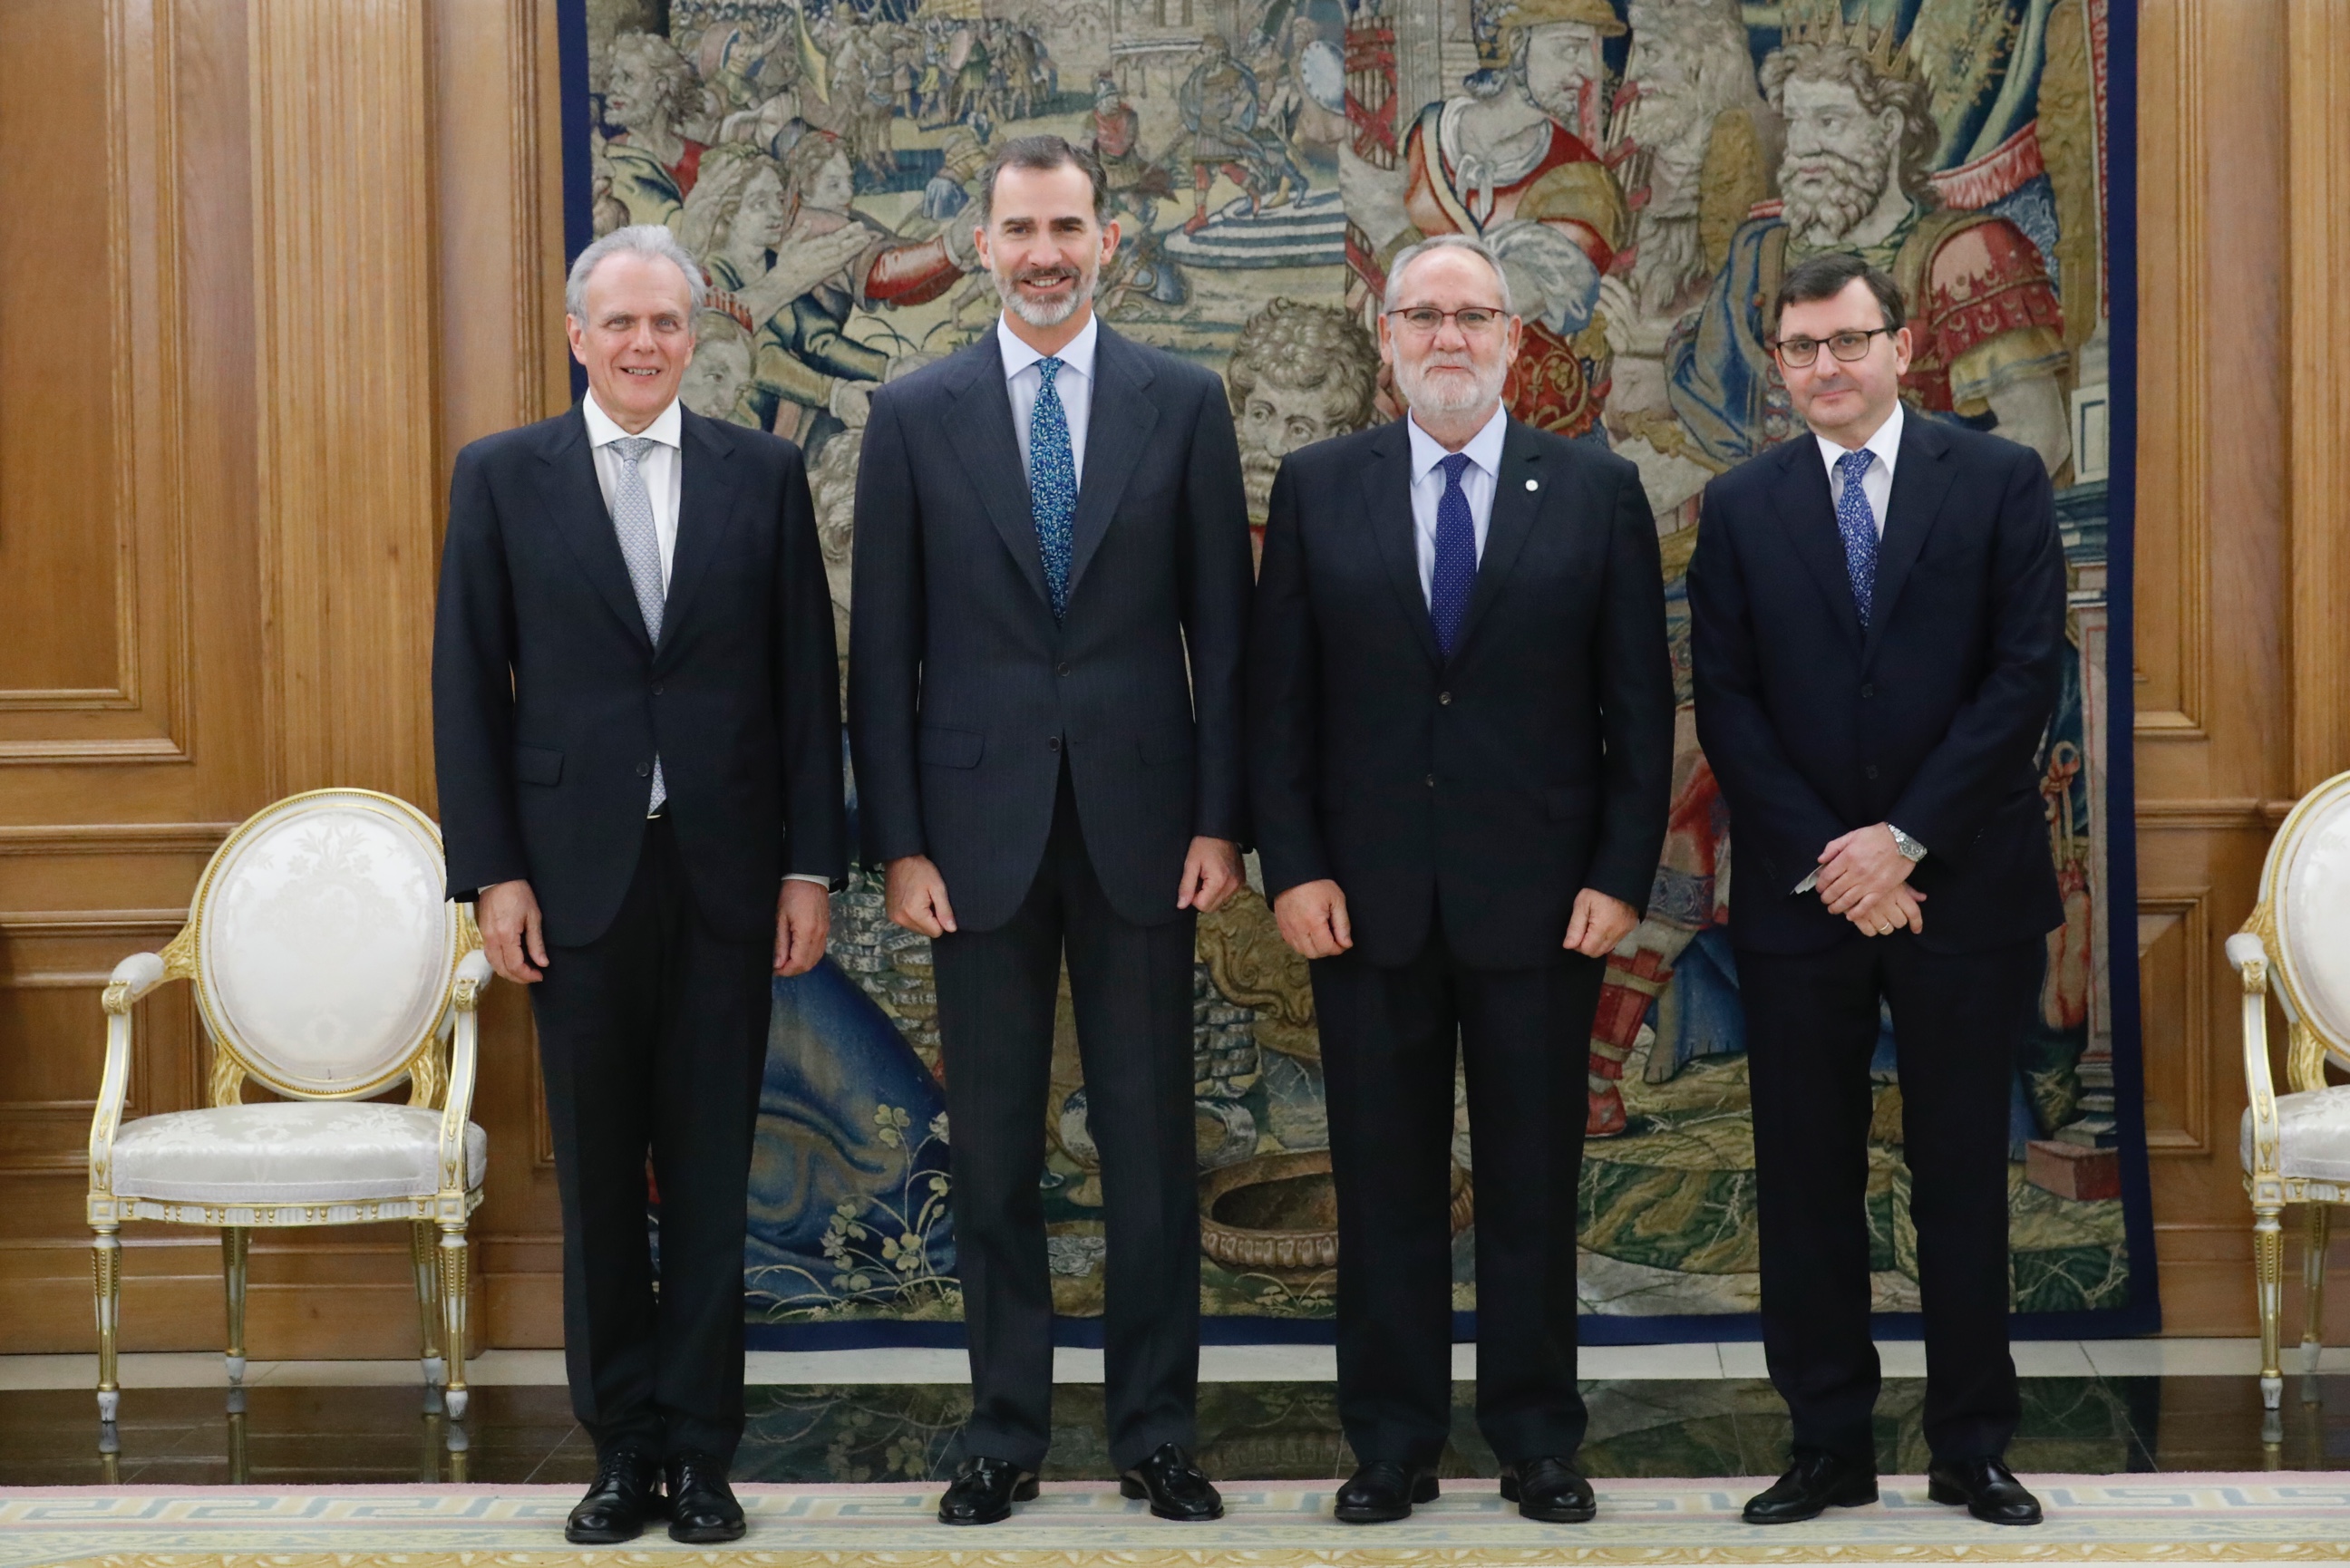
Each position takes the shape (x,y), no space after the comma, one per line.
(1647,169)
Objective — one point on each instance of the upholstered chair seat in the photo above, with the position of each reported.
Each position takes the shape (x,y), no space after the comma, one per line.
(289,1152)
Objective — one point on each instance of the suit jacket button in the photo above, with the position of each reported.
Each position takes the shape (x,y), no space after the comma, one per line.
(657,690)
(1444,698)
(1870,770)
(1064,669)
(1868,691)
(1431,781)
(644,770)
(1054,744)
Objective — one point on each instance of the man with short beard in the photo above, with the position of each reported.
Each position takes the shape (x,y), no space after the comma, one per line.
(1050,600)
(1299,374)
(1461,737)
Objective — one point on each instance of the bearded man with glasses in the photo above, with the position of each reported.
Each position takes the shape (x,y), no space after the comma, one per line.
(1461,736)
(1878,626)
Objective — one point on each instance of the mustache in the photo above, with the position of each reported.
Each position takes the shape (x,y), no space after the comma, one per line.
(1046,274)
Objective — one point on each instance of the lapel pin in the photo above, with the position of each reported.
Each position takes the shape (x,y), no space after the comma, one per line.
(1534,484)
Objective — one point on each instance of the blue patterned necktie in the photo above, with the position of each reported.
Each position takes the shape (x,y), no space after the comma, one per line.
(632,520)
(1857,524)
(1456,556)
(1052,484)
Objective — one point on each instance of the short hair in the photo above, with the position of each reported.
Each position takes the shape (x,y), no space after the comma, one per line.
(638,239)
(1838,62)
(1475,247)
(1305,347)
(1826,276)
(1042,154)
(804,159)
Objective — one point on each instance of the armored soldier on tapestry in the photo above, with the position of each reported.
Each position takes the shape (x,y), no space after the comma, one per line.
(1861,139)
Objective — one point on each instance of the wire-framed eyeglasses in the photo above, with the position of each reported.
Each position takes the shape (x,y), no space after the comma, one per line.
(1848,347)
(1427,320)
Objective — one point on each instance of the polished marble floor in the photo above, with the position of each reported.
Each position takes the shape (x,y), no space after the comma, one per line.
(1266,1413)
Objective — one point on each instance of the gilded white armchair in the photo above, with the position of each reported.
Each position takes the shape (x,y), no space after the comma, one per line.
(328,966)
(2296,1146)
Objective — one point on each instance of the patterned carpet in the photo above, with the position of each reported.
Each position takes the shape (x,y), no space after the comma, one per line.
(2211,1518)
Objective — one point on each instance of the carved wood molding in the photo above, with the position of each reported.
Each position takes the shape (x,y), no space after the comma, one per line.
(2317,97)
(115,838)
(346,296)
(2178,1070)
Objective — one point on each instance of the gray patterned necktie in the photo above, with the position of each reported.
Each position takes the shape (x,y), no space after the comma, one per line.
(632,520)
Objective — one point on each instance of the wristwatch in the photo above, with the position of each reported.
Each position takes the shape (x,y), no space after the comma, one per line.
(1912,850)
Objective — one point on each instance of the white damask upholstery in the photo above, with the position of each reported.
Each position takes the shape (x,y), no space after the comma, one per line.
(294,1152)
(2313,1135)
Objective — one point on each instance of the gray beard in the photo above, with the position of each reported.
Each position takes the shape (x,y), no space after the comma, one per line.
(1036,314)
(1671,257)
(1258,468)
(1853,192)
(1421,395)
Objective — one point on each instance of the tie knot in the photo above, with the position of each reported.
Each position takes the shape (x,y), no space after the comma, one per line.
(1854,465)
(1454,466)
(1048,368)
(632,449)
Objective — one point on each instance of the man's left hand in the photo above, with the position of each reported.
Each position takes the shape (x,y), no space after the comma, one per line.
(802,921)
(1598,923)
(1211,873)
(1863,864)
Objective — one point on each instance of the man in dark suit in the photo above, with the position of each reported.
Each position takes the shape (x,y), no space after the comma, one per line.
(1461,732)
(636,714)
(1878,630)
(1051,596)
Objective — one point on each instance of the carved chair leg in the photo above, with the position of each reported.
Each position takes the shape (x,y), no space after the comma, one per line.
(236,1246)
(2312,1276)
(452,1313)
(426,1256)
(106,1282)
(2268,1265)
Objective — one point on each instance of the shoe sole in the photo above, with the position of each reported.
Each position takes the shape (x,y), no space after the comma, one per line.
(1952,1497)
(1422,1491)
(716,1535)
(1131,1490)
(600,1537)
(1805,1518)
(1026,1491)
(1580,1513)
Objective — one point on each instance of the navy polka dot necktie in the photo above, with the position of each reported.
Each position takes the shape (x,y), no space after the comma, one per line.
(1052,484)
(1857,524)
(1456,556)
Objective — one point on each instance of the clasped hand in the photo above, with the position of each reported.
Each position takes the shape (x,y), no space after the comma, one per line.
(1865,877)
(1314,921)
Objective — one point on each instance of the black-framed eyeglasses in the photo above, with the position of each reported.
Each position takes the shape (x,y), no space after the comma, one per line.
(1847,346)
(1427,320)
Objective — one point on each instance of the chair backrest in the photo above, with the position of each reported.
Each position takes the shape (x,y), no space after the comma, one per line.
(324,946)
(2305,896)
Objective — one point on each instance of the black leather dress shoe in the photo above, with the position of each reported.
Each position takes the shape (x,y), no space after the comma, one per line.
(1549,1490)
(626,1493)
(984,1490)
(701,1506)
(1988,1489)
(1813,1484)
(1178,1489)
(1383,1492)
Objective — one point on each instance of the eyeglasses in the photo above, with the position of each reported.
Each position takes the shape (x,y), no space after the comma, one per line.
(1426,319)
(1848,347)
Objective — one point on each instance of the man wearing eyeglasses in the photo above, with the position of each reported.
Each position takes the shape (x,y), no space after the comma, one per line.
(1460,735)
(1877,629)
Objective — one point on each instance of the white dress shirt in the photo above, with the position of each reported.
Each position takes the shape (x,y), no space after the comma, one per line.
(663,467)
(1074,380)
(1478,483)
(1877,482)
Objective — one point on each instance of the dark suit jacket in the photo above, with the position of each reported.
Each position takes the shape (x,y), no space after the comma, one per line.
(1931,720)
(965,697)
(1535,761)
(549,702)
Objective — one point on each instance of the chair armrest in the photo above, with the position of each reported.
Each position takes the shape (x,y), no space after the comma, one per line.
(132,979)
(2250,958)
(457,1105)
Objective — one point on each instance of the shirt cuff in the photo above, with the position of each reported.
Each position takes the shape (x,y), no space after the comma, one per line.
(824,882)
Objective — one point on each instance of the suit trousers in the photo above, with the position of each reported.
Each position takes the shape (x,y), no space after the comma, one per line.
(1388,1040)
(1812,1023)
(653,1038)
(1132,988)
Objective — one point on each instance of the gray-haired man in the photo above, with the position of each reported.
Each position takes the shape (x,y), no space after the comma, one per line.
(638,748)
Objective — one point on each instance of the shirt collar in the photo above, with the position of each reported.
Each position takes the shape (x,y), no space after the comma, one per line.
(667,429)
(1076,354)
(1885,445)
(1484,447)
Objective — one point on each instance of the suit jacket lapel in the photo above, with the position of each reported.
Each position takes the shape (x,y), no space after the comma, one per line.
(1118,424)
(705,507)
(575,510)
(1807,515)
(1920,483)
(1386,487)
(980,426)
(1517,500)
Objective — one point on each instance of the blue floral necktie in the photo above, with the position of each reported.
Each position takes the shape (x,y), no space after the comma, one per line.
(1052,484)
(1456,556)
(1857,524)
